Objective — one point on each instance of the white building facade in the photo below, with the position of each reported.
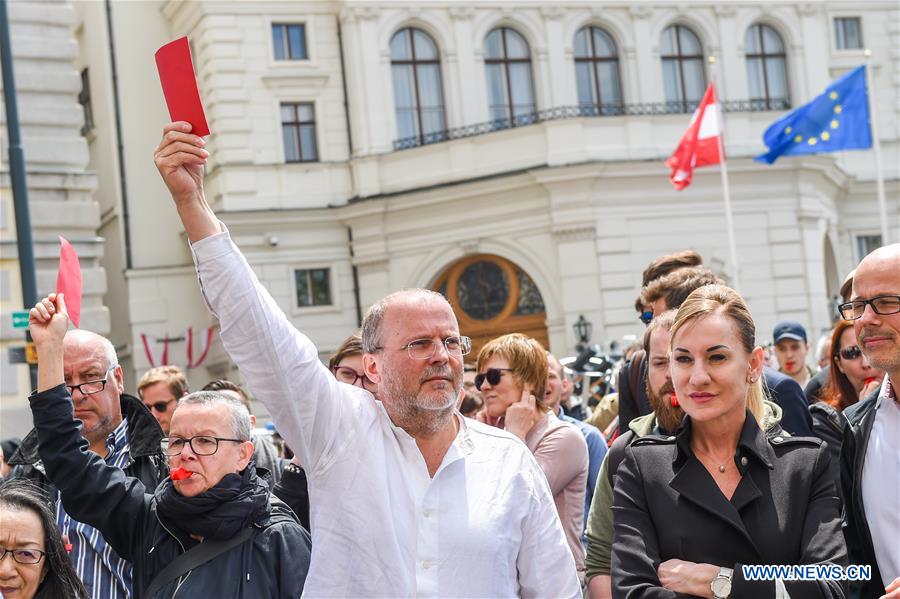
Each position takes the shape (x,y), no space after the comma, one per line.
(509,154)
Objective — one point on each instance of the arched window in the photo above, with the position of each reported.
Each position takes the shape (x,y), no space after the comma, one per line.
(766,70)
(418,93)
(684,77)
(597,72)
(510,90)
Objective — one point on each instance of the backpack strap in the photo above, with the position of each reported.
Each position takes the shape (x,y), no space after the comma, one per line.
(195,556)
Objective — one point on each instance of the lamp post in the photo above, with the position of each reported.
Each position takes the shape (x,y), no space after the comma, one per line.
(582,328)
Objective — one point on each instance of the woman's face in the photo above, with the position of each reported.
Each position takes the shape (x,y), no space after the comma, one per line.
(710,368)
(502,395)
(857,369)
(21,531)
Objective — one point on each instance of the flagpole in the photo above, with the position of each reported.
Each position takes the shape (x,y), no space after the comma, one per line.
(726,193)
(876,146)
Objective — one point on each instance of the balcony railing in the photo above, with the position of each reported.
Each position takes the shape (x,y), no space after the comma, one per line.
(590,110)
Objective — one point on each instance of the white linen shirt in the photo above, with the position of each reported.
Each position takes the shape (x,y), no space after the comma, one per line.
(484,526)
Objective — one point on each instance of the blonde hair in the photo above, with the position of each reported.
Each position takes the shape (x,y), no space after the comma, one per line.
(711,299)
(171,376)
(527,358)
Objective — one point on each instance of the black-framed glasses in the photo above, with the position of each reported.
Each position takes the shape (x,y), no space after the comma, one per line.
(24,556)
(422,349)
(850,353)
(200,445)
(345,374)
(883,305)
(646,316)
(91,387)
(491,375)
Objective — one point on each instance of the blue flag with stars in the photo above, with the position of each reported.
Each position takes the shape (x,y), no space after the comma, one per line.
(838,119)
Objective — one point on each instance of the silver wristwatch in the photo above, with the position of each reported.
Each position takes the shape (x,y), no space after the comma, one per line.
(721,584)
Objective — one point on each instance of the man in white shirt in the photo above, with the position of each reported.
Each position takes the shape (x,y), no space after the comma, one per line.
(870,453)
(407,497)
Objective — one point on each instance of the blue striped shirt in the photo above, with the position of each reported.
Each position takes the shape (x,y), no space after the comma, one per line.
(105,575)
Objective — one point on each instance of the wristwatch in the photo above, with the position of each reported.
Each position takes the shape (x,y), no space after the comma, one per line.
(721,584)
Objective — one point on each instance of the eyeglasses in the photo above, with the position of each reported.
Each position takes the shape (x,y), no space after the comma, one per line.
(23,556)
(851,353)
(345,374)
(491,375)
(91,387)
(422,349)
(883,305)
(646,316)
(160,406)
(200,445)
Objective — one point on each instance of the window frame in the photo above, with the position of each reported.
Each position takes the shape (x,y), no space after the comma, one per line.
(288,59)
(594,60)
(769,102)
(680,59)
(329,274)
(505,62)
(297,125)
(858,237)
(834,32)
(415,63)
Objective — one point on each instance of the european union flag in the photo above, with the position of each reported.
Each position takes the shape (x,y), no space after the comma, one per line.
(836,120)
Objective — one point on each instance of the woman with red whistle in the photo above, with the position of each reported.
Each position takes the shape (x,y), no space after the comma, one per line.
(512,377)
(212,529)
(690,509)
(850,379)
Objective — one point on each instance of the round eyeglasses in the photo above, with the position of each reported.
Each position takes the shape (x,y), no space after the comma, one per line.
(345,374)
(422,349)
(200,445)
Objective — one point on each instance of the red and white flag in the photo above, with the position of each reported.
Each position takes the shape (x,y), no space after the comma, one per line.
(700,144)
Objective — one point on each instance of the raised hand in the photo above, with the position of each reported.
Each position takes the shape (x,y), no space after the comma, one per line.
(520,416)
(180,159)
(48,321)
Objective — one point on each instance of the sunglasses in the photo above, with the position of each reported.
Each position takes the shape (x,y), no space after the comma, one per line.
(646,316)
(851,353)
(159,406)
(491,375)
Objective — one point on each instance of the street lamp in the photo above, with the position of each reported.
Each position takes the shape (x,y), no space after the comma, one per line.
(582,329)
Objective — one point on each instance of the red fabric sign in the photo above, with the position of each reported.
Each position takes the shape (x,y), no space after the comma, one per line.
(176,73)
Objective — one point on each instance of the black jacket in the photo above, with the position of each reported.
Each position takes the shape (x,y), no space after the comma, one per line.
(788,394)
(828,426)
(858,421)
(147,463)
(272,563)
(632,388)
(784,511)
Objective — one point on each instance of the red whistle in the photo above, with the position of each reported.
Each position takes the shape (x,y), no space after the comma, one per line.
(673,398)
(871,379)
(68,547)
(180,474)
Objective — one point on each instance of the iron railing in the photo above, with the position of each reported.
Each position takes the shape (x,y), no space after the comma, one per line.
(589,110)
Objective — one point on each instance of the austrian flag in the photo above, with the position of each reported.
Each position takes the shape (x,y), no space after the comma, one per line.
(700,144)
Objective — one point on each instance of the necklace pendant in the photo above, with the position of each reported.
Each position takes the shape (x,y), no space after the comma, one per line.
(722,468)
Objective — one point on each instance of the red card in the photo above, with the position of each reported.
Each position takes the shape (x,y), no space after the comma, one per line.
(176,73)
(68,280)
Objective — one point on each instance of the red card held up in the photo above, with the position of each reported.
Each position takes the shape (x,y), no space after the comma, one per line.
(68,280)
(176,73)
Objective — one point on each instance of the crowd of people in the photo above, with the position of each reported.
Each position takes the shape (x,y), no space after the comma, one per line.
(410,466)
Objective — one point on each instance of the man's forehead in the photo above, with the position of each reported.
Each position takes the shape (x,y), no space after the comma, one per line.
(197,416)
(878,273)
(410,312)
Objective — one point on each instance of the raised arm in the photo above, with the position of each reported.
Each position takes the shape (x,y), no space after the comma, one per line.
(91,490)
(311,409)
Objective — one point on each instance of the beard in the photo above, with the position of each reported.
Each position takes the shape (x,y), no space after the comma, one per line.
(668,417)
(420,411)
(891,359)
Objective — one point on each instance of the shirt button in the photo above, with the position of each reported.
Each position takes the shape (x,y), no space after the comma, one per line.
(426,564)
(744,461)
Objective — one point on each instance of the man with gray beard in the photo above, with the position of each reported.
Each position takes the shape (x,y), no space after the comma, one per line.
(407,497)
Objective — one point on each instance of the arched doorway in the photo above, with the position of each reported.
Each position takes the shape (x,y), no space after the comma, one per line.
(491,297)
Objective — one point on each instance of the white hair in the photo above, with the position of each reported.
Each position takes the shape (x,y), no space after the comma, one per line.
(239,416)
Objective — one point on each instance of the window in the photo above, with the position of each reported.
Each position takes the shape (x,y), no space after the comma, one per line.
(298,130)
(766,71)
(684,77)
(848,33)
(597,72)
(84,98)
(866,244)
(510,91)
(418,93)
(313,287)
(289,41)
